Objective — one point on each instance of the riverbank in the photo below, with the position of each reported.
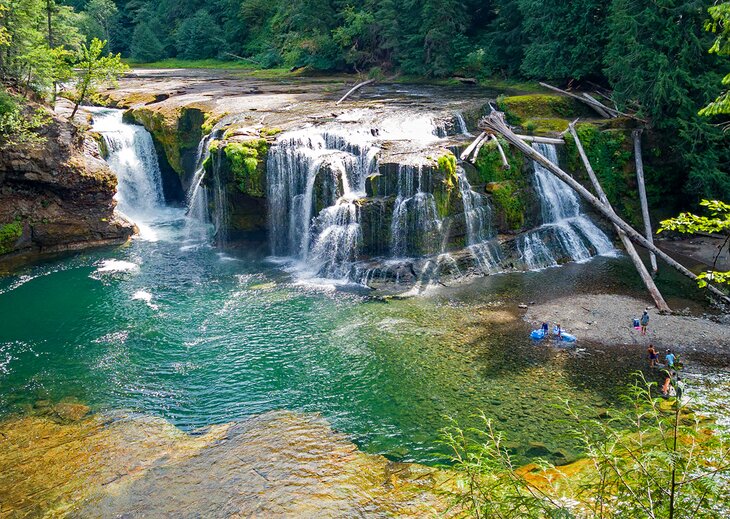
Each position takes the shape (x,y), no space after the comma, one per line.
(607,319)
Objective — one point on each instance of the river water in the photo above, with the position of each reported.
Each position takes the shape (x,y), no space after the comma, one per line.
(169,326)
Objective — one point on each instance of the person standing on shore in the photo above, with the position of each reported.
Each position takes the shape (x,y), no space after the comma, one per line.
(644,321)
(669,358)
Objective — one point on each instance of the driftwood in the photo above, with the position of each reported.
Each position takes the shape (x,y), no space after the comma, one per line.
(475,155)
(355,89)
(591,101)
(656,295)
(495,122)
(542,140)
(473,146)
(505,163)
(636,134)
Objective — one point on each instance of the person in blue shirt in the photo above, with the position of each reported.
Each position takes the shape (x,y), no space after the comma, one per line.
(669,358)
(544,329)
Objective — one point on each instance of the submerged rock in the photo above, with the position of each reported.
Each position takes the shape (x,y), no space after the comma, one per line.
(277,464)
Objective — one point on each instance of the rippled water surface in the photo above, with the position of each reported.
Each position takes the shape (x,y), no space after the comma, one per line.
(197,336)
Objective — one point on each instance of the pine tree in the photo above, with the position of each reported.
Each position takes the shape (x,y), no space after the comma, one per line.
(566,39)
(145,47)
(199,37)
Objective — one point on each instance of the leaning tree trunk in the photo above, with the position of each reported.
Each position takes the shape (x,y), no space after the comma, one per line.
(636,134)
(495,122)
(628,245)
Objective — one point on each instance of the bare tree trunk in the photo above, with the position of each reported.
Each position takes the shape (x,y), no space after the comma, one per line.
(354,89)
(630,249)
(636,134)
(495,122)
(505,162)
(473,146)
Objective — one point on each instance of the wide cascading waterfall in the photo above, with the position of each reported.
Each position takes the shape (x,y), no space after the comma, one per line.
(565,232)
(131,155)
(314,179)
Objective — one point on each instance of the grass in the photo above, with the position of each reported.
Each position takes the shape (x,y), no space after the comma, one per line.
(198,63)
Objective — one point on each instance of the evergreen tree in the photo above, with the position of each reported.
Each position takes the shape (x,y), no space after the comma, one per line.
(504,38)
(146,47)
(656,60)
(566,40)
(199,37)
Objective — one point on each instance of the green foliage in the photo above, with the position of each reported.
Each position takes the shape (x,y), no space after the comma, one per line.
(9,234)
(719,24)
(19,123)
(563,41)
(246,159)
(490,167)
(146,46)
(96,69)
(718,222)
(543,106)
(649,458)
(198,37)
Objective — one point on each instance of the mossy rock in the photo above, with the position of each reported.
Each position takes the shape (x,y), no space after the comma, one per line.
(10,233)
(244,162)
(547,126)
(539,106)
(176,131)
(489,164)
(610,152)
(446,195)
(509,204)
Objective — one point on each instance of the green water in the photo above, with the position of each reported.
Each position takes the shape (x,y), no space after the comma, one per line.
(224,337)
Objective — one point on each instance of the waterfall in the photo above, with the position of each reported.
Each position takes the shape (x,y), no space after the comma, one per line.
(416,225)
(478,221)
(565,230)
(196,198)
(314,179)
(461,124)
(132,157)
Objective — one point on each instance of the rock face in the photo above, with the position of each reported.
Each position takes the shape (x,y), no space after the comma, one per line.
(57,195)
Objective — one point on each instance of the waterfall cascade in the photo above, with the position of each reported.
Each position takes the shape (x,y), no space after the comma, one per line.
(131,155)
(565,231)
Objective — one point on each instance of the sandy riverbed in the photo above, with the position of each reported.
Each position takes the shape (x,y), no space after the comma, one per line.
(607,319)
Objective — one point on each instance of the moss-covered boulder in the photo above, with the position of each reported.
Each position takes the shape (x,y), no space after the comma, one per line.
(539,106)
(176,132)
(238,168)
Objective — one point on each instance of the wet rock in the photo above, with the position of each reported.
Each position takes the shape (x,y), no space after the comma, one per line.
(58,194)
(70,411)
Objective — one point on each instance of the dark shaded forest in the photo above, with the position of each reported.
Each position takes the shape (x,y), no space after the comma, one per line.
(652,56)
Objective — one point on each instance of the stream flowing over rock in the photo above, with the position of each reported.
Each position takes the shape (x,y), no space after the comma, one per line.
(57,194)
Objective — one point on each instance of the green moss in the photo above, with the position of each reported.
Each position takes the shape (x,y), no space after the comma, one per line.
(541,106)
(509,203)
(610,153)
(9,234)
(489,163)
(270,132)
(546,126)
(247,165)
(210,122)
(446,166)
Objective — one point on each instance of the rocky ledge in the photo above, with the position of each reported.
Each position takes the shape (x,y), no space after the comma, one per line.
(57,194)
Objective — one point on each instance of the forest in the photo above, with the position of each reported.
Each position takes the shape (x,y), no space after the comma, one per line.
(663,59)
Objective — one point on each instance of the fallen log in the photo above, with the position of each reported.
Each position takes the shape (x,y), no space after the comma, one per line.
(355,89)
(593,103)
(470,149)
(646,278)
(505,163)
(636,134)
(495,122)
(542,140)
